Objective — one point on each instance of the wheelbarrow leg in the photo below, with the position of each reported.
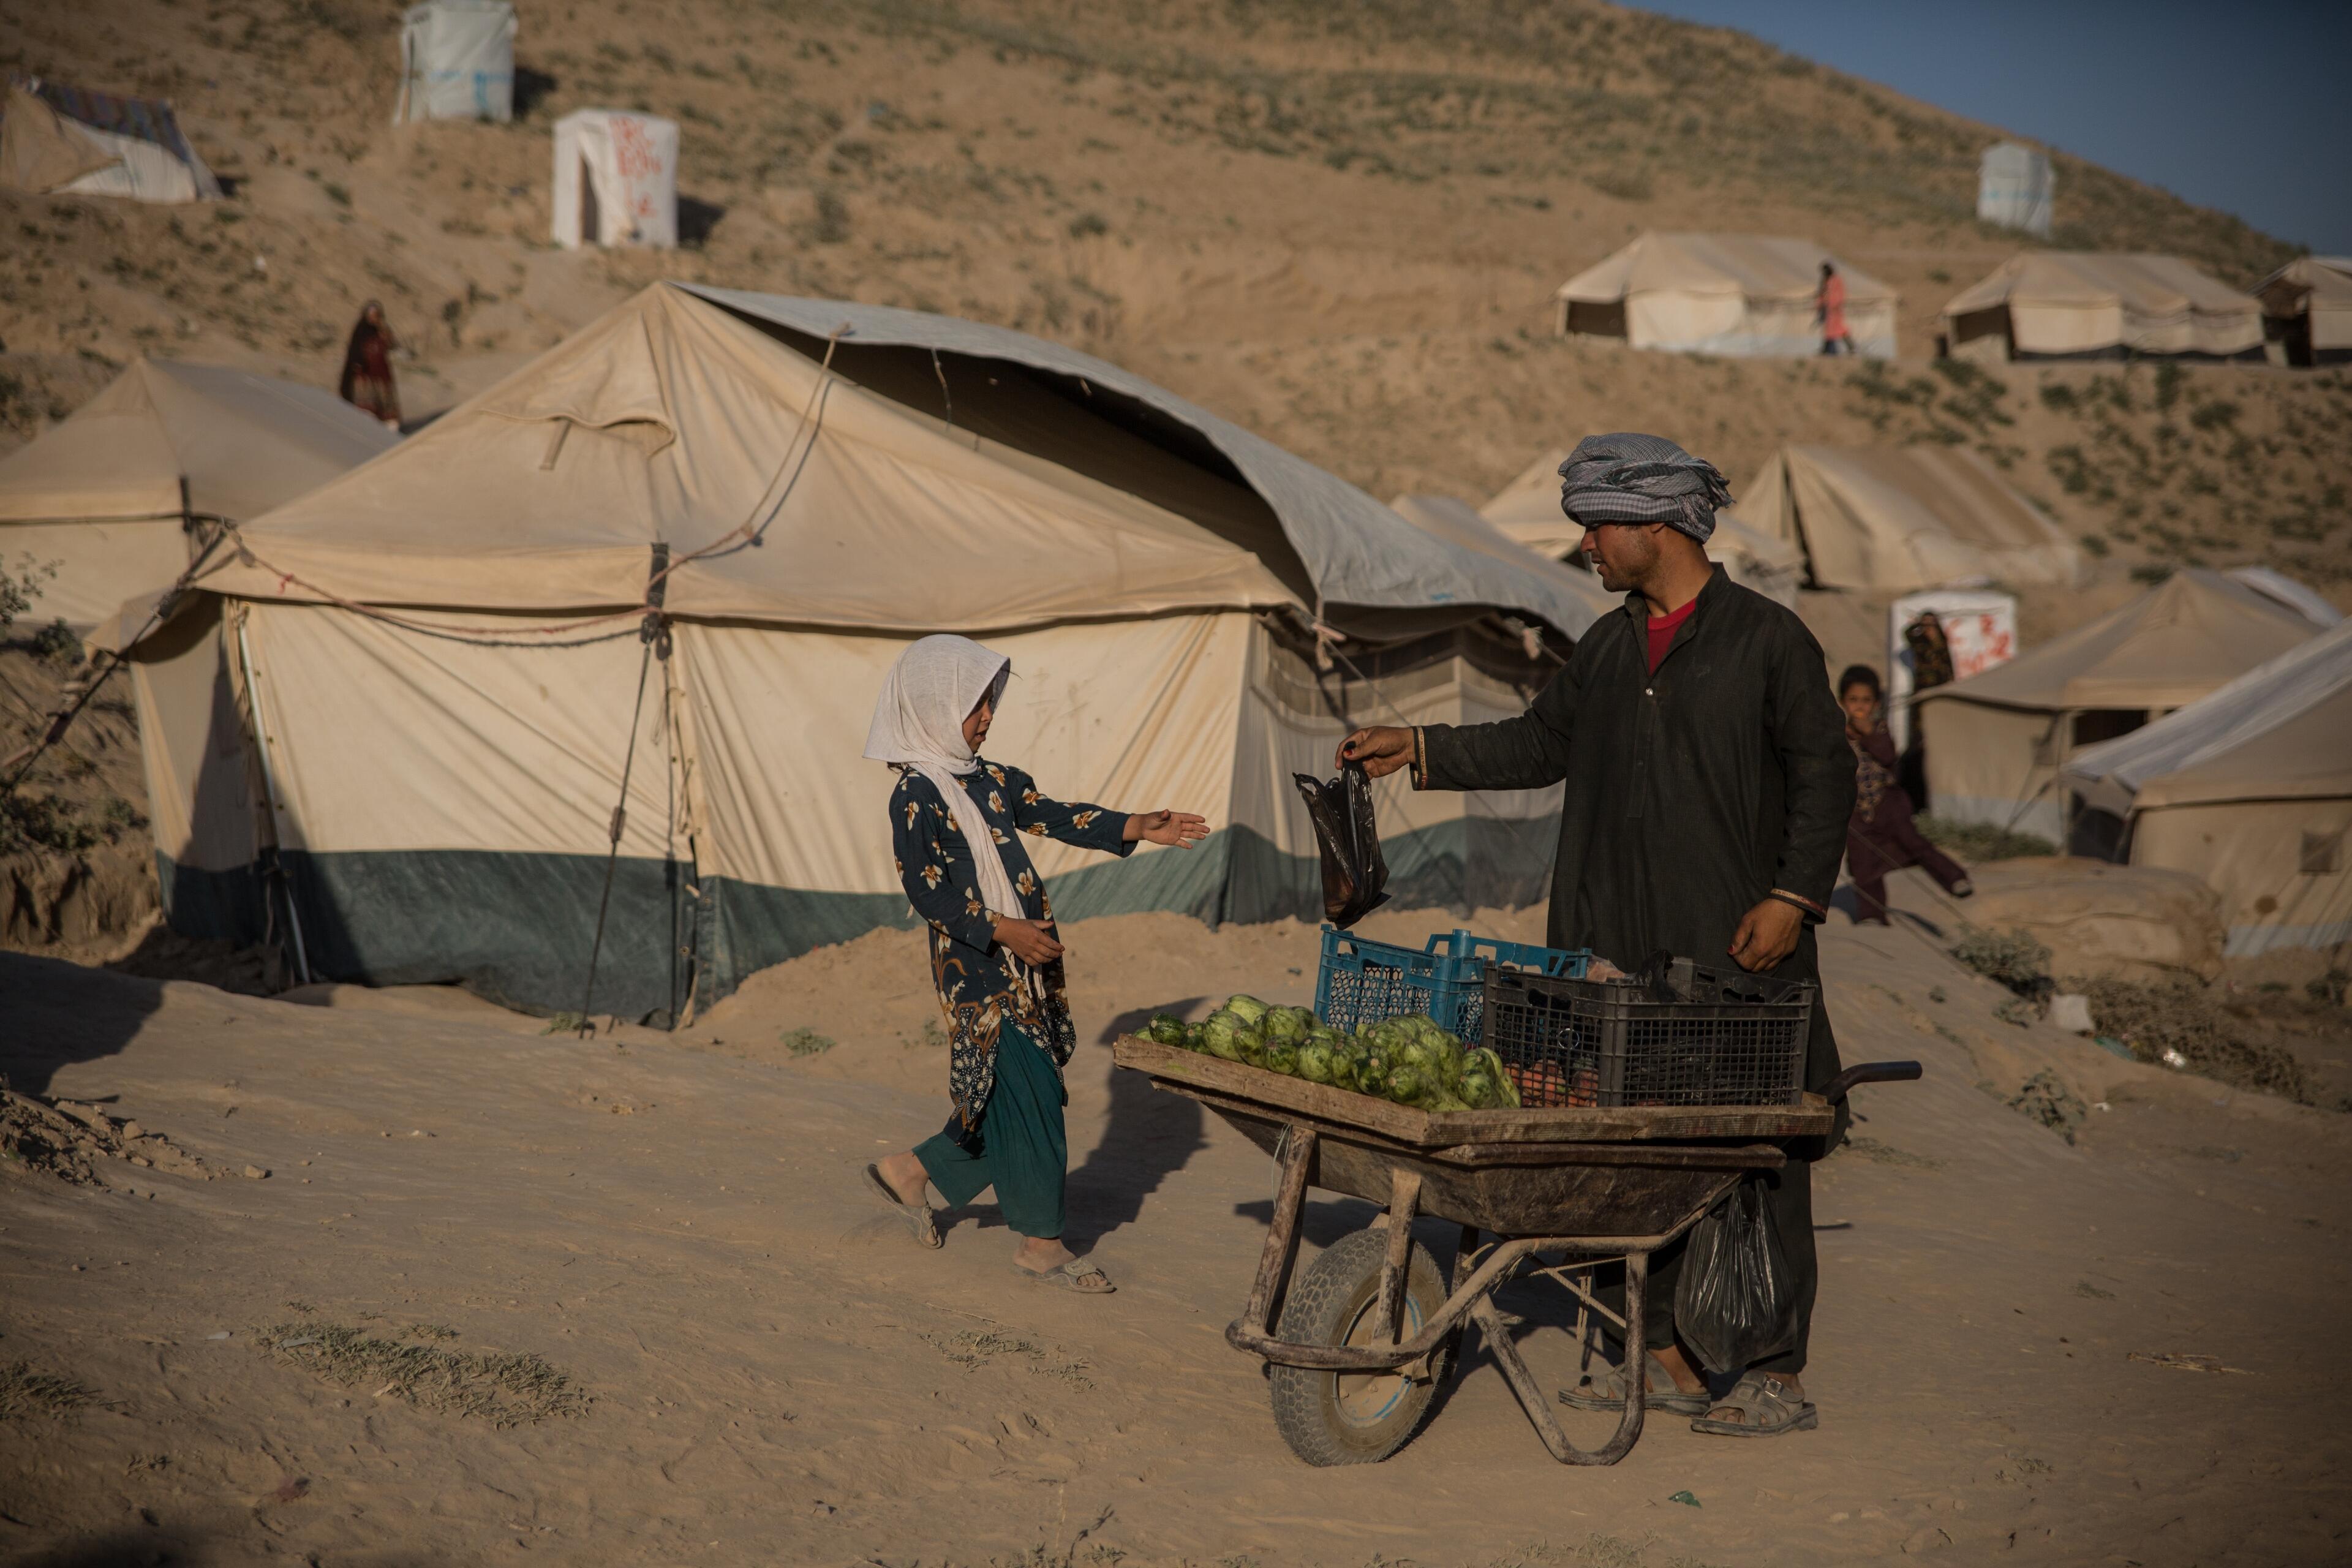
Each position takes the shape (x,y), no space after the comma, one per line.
(1538,1408)
(1295,1156)
(1404,1204)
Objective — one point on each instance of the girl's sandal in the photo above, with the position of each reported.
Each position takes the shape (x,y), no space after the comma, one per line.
(1607,1392)
(1767,1409)
(1072,1275)
(918,1217)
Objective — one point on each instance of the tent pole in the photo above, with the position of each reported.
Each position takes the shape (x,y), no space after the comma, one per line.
(269,783)
(655,634)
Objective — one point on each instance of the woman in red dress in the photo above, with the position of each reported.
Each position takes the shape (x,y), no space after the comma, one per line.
(367,367)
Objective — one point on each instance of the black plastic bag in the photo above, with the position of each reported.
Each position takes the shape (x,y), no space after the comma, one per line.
(1354,874)
(1734,1304)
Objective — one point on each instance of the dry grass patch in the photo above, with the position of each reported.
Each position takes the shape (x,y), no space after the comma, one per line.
(26,1394)
(503,1389)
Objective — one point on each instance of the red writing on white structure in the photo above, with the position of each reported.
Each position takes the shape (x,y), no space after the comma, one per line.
(1978,641)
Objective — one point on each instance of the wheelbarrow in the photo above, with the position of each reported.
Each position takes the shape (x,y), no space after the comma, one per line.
(1359,1345)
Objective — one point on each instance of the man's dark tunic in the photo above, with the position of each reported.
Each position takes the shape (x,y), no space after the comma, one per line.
(1692,792)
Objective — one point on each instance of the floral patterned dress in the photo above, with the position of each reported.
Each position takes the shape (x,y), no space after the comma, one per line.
(979,984)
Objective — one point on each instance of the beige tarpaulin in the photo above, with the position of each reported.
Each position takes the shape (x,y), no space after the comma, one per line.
(2316,291)
(101,495)
(1885,520)
(1995,741)
(1724,293)
(436,661)
(2250,788)
(1528,510)
(2086,302)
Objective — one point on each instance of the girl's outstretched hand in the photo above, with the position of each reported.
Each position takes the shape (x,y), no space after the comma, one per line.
(1179,828)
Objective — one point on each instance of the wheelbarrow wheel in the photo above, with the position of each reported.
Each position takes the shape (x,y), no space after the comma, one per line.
(1355,1418)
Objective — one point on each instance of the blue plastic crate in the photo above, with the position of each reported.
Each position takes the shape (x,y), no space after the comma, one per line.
(1361,980)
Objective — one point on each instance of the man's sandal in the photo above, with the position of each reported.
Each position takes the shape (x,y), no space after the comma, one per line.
(1607,1392)
(1768,1408)
(1072,1275)
(918,1217)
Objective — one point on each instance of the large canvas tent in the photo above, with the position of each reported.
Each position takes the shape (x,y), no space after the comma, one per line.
(1723,294)
(113,496)
(61,140)
(1997,740)
(1897,520)
(2082,304)
(2251,789)
(2307,310)
(1527,511)
(433,674)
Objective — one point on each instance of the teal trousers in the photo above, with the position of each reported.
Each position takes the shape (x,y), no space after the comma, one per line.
(1022,1149)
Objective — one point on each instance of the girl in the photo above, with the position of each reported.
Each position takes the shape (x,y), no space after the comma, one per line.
(1881,836)
(956,823)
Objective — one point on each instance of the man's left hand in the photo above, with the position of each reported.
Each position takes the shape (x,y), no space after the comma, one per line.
(1767,935)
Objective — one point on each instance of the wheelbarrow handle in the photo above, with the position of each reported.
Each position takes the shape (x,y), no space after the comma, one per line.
(1868,1072)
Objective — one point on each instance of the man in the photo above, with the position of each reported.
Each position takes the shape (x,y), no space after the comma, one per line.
(1708,784)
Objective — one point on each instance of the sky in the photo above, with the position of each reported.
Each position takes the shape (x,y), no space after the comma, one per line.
(2242,108)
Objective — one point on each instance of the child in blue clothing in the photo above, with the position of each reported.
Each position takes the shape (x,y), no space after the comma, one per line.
(956,823)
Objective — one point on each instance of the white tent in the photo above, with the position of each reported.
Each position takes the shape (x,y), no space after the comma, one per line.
(439,663)
(1527,511)
(2307,309)
(615,179)
(115,496)
(1887,519)
(2251,789)
(1996,740)
(1723,294)
(60,141)
(2081,304)
(2013,188)
(1456,521)
(456,61)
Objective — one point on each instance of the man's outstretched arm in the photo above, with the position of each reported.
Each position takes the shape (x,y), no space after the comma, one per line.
(1526,753)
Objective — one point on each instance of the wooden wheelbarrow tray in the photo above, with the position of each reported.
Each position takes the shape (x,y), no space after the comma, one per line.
(1593,1183)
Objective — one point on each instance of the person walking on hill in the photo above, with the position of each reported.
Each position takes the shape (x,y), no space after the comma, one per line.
(367,381)
(956,826)
(1708,788)
(1882,837)
(1828,310)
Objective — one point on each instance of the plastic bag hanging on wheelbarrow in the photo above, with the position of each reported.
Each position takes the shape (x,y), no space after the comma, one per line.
(1354,874)
(1734,1303)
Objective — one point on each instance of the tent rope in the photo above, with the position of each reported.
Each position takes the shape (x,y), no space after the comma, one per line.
(654,631)
(63,719)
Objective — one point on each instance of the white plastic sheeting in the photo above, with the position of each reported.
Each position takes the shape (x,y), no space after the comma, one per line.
(61,140)
(456,61)
(2015,187)
(1980,626)
(615,179)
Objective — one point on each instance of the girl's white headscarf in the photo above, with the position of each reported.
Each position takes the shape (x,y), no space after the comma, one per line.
(918,724)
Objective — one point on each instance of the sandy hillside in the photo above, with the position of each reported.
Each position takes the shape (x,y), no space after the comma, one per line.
(1341,229)
(738,1359)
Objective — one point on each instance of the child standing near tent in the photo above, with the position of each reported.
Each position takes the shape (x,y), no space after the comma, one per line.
(1829,310)
(955,822)
(1880,837)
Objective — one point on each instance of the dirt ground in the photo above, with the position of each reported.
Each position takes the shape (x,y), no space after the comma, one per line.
(758,1366)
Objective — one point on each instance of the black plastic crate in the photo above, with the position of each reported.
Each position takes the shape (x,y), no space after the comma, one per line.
(1728,1037)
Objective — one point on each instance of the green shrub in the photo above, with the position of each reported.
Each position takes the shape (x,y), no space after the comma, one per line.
(1979,841)
(2013,958)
